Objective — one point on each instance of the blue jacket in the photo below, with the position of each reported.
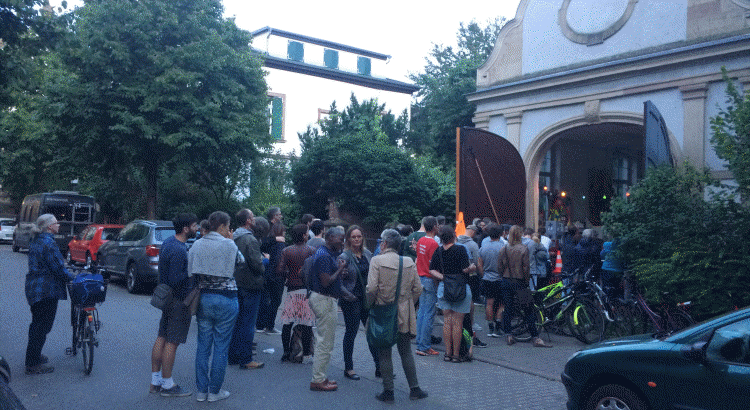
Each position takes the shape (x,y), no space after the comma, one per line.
(47,274)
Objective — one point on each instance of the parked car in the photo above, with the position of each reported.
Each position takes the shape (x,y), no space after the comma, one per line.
(7,226)
(84,247)
(134,253)
(706,366)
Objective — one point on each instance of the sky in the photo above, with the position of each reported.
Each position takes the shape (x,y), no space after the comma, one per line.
(403,29)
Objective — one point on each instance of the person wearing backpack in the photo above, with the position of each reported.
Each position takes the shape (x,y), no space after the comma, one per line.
(325,290)
(382,282)
(296,316)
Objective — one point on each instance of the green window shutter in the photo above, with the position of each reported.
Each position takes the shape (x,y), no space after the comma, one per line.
(277,118)
(331,58)
(296,51)
(363,65)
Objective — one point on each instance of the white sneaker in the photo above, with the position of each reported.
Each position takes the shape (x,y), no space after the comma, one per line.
(221,395)
(201,396)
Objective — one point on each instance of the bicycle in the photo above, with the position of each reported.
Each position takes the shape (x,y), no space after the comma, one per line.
(668,317)
(85,291)
(559,305)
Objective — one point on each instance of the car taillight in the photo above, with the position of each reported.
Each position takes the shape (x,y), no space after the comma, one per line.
(152,250)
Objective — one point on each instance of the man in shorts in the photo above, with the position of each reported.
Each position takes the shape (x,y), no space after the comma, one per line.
(175,319)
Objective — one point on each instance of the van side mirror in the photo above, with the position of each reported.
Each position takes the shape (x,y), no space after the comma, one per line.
(695,352)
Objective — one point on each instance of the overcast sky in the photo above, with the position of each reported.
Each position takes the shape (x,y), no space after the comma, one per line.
(403,29)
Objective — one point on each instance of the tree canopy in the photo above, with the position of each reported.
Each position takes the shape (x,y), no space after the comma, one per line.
(161,87)
(449,75)
(731,135)
(354,162)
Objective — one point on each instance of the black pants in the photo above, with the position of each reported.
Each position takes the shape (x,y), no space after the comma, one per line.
(42,317)
(353,315)
(509,287)
(269,304)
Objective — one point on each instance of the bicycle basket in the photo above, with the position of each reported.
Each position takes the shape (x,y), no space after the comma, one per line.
(87,289)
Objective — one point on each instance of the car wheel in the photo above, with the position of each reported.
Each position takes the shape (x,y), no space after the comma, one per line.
(133,284)
(615,397)
(15,247)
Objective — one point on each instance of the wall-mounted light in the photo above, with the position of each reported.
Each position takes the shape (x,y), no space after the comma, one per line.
(563,193)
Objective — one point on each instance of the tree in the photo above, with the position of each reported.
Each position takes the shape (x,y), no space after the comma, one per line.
(449,75)
(354,162)
(731,138)
(676,241)
(162,87)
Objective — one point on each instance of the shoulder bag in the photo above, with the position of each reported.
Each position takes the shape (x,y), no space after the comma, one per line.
(454,285)
(162,296)
(361,280)
(382,324)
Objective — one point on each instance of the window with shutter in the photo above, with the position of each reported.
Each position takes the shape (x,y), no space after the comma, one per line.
(296,51)
(363,65)
(331,58)
(276,117)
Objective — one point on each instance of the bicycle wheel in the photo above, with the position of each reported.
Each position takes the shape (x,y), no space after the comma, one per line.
(621,325)
(679,320)
(587,321)
(518,327)
(87,349)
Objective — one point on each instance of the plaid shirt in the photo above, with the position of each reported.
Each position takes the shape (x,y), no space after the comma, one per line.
(47,274)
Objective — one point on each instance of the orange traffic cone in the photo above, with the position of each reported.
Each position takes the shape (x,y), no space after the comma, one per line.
(558,269)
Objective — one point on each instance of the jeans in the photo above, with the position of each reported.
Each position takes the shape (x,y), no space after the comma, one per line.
(407,361)
(326,314)
(426,313)
(353,315)
(241,346)
(269,304)
(216,317)
(42,317)
(509,289)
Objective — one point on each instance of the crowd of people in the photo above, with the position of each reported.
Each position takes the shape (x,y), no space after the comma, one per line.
(241,277)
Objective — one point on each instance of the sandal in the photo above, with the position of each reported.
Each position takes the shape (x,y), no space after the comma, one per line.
(252,365)
(447,358)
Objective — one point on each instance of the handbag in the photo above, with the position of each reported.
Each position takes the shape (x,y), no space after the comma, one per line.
(192,299)
(162,297)
(454,287)
(382,324)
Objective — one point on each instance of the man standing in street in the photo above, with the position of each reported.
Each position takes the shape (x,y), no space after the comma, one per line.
(326,289)
(426,246)
(175,318)
(249,278)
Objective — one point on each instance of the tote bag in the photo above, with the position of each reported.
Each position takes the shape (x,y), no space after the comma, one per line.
(382,324)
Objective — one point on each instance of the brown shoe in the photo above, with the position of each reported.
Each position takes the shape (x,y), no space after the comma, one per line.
(154,388)
(538,342)
(323,386)
(252,365)
(511,340)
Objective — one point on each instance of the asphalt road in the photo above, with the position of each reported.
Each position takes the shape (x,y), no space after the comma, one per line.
(121,373)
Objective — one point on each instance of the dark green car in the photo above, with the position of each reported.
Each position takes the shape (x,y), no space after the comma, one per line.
(706,366)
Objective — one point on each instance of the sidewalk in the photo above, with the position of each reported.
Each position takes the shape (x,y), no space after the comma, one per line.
(523,357)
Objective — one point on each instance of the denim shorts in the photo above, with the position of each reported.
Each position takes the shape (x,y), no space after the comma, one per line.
(463,306)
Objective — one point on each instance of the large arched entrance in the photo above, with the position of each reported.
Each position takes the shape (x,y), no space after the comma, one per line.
(576,167)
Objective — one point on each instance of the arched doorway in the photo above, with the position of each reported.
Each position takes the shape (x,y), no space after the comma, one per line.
(576,167)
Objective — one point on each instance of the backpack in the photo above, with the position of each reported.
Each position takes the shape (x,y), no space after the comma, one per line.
(307,273)
(297,349)
(464,349)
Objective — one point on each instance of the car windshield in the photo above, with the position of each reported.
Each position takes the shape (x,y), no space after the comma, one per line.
(162,234)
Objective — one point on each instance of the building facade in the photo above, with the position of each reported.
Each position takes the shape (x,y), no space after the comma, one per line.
(567,81)
(307,74)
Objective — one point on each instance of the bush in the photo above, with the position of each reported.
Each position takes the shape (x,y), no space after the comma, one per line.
(677,241)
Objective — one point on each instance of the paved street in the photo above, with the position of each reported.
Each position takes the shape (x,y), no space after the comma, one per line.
(502,377)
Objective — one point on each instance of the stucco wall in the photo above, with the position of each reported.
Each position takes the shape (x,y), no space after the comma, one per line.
(304,95)
(652,23)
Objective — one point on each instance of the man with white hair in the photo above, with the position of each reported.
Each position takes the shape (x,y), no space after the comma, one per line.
(45,285)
